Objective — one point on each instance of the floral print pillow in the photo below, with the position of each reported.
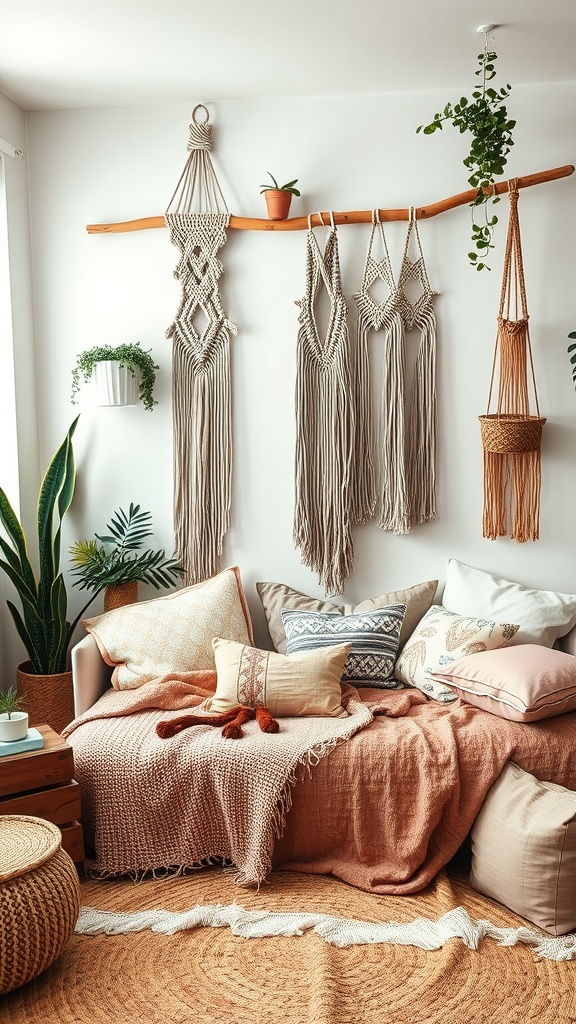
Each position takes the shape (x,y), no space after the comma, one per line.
(439,639)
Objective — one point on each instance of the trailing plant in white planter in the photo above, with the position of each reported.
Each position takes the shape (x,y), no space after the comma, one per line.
(137,361)
(13,720)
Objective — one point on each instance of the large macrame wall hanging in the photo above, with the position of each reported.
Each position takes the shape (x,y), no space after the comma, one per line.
(421,442)
(393,511)
(511,436)
(197,217)
(324,423)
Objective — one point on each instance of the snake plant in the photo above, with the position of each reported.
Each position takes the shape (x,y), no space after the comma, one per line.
(110,560)
(42,624)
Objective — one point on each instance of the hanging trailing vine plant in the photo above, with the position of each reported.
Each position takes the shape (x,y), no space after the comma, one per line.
(486,118)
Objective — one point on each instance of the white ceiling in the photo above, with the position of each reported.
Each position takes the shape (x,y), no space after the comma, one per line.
(90,53)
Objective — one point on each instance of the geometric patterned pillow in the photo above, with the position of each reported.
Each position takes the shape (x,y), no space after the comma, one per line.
(373,637)
(276,596)
(442,637)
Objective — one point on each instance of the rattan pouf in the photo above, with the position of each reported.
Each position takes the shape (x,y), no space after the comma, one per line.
(39,898)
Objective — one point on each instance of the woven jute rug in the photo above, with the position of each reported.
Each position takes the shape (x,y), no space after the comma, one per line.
(207,975)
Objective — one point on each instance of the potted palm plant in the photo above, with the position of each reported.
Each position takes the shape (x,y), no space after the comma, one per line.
(278,197)
(121,374)
(42,623)
(111,563)
(13,719)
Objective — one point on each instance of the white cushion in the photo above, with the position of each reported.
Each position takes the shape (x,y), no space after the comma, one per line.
(543,615)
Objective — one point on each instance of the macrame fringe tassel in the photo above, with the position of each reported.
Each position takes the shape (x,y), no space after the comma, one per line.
(518,474)
(202,459)
(394,508)
(362,484)
(422,430)
(322,521)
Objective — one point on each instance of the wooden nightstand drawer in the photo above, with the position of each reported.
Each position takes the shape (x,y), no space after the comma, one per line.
(59,804)
(73,841)
(20,773)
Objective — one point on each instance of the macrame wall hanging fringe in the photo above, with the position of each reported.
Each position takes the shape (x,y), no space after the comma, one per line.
(393,512)
(511,436)
(200,363)
(324,423)
(422,412)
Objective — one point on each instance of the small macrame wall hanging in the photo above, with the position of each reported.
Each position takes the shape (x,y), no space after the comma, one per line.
(197,217)
(511,435)
(324,422)
(392,502)
(418,316)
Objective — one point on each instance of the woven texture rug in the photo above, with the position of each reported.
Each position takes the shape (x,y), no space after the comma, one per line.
(209,976)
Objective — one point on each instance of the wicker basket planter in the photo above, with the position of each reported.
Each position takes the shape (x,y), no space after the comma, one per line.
(511,433)
(49,699)
(39,898)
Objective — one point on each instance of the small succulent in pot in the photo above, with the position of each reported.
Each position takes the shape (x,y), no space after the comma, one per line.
(288,187)
(278,197)
(11,702)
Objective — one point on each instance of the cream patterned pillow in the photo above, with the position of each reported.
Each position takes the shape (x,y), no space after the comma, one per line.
(441,638)
(276,596)
(304,684)
(174,633)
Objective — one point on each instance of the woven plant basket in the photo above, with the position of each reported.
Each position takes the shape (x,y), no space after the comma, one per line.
(48,699)
(511,433)
(120,595)
(39,898)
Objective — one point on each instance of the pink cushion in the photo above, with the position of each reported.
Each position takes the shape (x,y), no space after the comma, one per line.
(524,683)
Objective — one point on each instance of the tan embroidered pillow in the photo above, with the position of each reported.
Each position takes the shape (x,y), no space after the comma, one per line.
(440,638)
(276,596)
(524,849)
(174,633)
(303,684)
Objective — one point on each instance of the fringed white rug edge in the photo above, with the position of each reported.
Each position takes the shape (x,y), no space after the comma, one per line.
(338,931)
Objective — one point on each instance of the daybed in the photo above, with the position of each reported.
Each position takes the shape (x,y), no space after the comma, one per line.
(407,769)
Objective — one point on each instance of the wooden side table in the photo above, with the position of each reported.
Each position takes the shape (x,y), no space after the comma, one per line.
(41,783)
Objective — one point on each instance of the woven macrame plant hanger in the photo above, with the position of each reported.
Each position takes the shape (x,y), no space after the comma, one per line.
(511,436)
(200,362)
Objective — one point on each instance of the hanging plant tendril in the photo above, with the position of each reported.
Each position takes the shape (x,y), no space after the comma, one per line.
(486,118)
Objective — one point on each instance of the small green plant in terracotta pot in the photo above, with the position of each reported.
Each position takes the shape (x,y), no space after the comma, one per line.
(278,197)
(138,366)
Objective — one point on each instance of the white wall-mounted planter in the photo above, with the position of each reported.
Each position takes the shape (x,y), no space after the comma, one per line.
(113,384)
(13,728)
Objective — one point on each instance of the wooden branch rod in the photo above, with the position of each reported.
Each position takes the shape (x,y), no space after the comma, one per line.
(350,217)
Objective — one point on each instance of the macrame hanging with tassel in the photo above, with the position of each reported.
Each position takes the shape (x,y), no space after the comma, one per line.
(422,407)
(511,436)
(200,362)
(324,423)
(393,511)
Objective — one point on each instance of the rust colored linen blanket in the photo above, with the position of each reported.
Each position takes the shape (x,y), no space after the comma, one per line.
(384,811)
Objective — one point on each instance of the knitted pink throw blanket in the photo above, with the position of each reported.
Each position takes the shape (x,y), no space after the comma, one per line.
(162,804)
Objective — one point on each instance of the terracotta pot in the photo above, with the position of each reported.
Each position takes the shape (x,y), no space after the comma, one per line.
(120,595)
(278,202)
(49,699)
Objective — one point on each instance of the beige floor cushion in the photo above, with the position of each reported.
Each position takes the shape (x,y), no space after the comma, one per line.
(524,849)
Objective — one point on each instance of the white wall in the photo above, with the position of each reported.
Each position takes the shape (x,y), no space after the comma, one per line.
(20,370)
(349,153)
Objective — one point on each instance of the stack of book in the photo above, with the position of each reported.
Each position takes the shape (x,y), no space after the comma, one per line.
(32,741)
